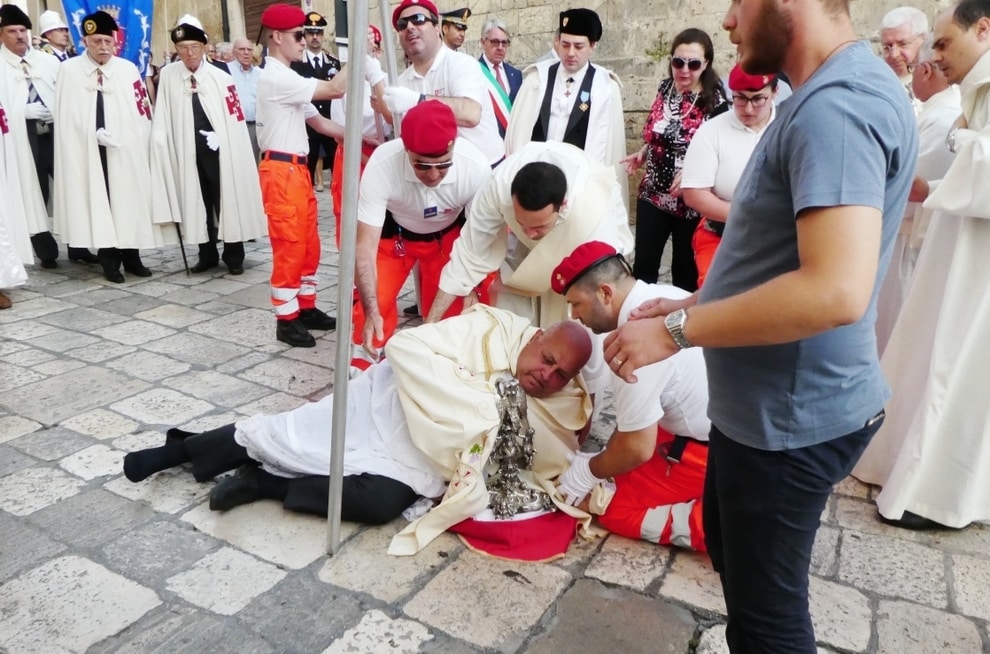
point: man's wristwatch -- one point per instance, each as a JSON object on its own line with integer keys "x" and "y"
{"x": 675, "y": 325}
{"x": 950, "y": 139}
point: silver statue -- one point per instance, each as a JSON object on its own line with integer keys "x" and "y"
{"x": 507, "y": 493}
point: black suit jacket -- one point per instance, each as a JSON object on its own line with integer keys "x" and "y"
{"x": 512, "y": 74}
{"x": 329, "y": 67}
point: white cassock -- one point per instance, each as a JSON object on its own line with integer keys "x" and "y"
{"x": 84, "y": 215}
{"x": 15, "y": 244}
{"x": 43, "y": 69}
{"x": 176, "y": 189}
{"x": 935, "y": 118}
{"x": 606, "y": 137}
{"x": 932, "y": 454}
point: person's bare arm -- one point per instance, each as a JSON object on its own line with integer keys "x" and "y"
{"x": 366, "y": 280}
{"x": 324, "y": 125}
{"x": 466, "y": 111}
{"x": 331, "y": 89}
{"x": 838, "y": 249}
{"x": 705, "y": 202}
{"x": 626, "y": 451}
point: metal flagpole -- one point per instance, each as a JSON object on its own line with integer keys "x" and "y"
{"x": 357, "y": 16}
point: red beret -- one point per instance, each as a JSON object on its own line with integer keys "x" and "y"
{"x": 378, "y": 34}
{"x": 405, "y": 4}
{"x": 429, "y": 129}
{"x": 283, "y": 17}
{"x": 740, "y": 80}
{"x": 584, "y": 257}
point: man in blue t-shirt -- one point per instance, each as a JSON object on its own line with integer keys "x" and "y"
{"x": 786, "y": 315}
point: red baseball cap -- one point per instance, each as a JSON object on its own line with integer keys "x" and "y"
{"x": 581, "y": 260}
{"x": 740, "y": 80}
{"x": 283, "y": 17}
{"x": 425, "y": 4}
{"x": 429, "y": 129}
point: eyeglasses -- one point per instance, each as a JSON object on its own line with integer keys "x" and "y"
{"x": 692, "y": 63}
{"x": 298, "y": 36}
{"x": 440, "y": 165}
{"x": 189, "y": 48}
{"x": 500, "y": 43}
{"x": 900, "y": 45}
{"x": 415, "y": 19}
{"x": 756, "y": 100}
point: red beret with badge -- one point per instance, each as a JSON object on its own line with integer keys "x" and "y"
{"x": 425, "y": 4}
{"x": 740, "y": 80}
{"x": 429, "y": 129}
{"x": 283, "y": 17}
{"x": 584, "y": 257}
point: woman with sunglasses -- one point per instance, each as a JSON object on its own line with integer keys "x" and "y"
{"x": 689, "y": 96}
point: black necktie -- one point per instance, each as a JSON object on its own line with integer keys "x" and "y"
{"x": 100, "y": 124}
{"x": 567, "y": 86}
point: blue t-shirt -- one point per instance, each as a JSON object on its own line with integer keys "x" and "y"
{"x": 846, "y": 137}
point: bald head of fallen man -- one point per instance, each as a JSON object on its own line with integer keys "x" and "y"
{"x": 553, "y": 357}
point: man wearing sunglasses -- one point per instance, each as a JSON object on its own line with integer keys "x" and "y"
{"x": 437, "y": 73}
{"x": 285, "y": 108}
{"x": 414, "y": 195}
{"x": 453, "y": 27}
{"x": 571, "y": 100}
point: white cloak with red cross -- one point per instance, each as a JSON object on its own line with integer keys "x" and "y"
{"x": 176, "y": 189}
{"x": 84, "y": 214}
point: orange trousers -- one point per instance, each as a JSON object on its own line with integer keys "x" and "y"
{"x": 394, "y": 264}
{"x": 705, "y": 243}
{"x": 287, "y": 191}
{"x": 660, "y": 501}
{"x": 337, "y": 181}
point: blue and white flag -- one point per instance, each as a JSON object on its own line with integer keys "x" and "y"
{"x": 133, "y": 21}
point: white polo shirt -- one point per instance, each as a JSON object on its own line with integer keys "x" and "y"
{"x": 718, "y": 153}
{"x": 389, "y": 182}
{"x": 285, "y": 102}
{"x": 673, "y": 392}
{"x": 456, "y": 75}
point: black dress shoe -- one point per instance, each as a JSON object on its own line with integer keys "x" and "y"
{"x": 203, "y": 266}
{"x": 242, "y": 488}
{"x": 48, "y": 264}
{"x": 294, "y": 333}
{"x": 412, "y": 310}
{"x": 236, "y": 270}
{"x": 114, "y": 276}
{"x": 85, "y": 257}
{"x": 912, "y": 521}
{"x": 316, "y": 319}
{"x": 140, "y": 270}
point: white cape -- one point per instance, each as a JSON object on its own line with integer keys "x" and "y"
{"x": 176, "y": 190}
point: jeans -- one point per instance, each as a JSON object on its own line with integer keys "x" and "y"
{"x": 762, "y": 510}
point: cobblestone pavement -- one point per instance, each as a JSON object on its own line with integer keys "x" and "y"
{"x": 92, "y": 563}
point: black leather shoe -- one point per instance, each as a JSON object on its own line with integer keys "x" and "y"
{"x": 912, "y": 521}
{"x": 412, "y": 310}
{"x": 316, "y": 319}
{"x": 236, "y": 270}
{"x": 140, "y": 270}
{"x": 114, "y": 276}
{"x": 86, "y": 257}
{"x": 48, "y": 264}
{"x": 203, "y": 266}
{"x": 242, "y": 488}
{"x": 294, "y": 333}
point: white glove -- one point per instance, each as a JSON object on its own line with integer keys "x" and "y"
{"x": 399, "y": 100}
{"x": 373, "y": 72}
{"x": 37, "y": 111}
{"x": 577, "y": 481}
{"x": 212, "y": 142}
{"x": 104, "y": 139}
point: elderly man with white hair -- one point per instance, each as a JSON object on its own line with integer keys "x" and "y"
{"x": 503, "y": 79}
{"x": 902, "y": 31}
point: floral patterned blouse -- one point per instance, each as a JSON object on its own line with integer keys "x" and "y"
{"x": 673, "y": 120}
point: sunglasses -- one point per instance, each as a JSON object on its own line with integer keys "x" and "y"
{"x": 415, "y": 19}
{"x": 424, "y": 166}
{"x": 692, "y": 64}
{"x": 298, "y": 36}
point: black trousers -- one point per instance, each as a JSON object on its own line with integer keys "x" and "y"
{"x": 367, "y": 498}
{"x": 317, "y": 142}
{"x": 761, "y": 512}
{"x": 43, "y": 153}
{"x": 111, "y": 258}
{"x": 653, "y": 227}
{"x": 208, "y": 170}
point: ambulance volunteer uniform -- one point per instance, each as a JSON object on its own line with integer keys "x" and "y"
{"x": 412, "y": 221}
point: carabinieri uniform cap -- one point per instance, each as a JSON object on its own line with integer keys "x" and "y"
{"x": 314, "y": 22}
{"x": 457, "y": 18}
